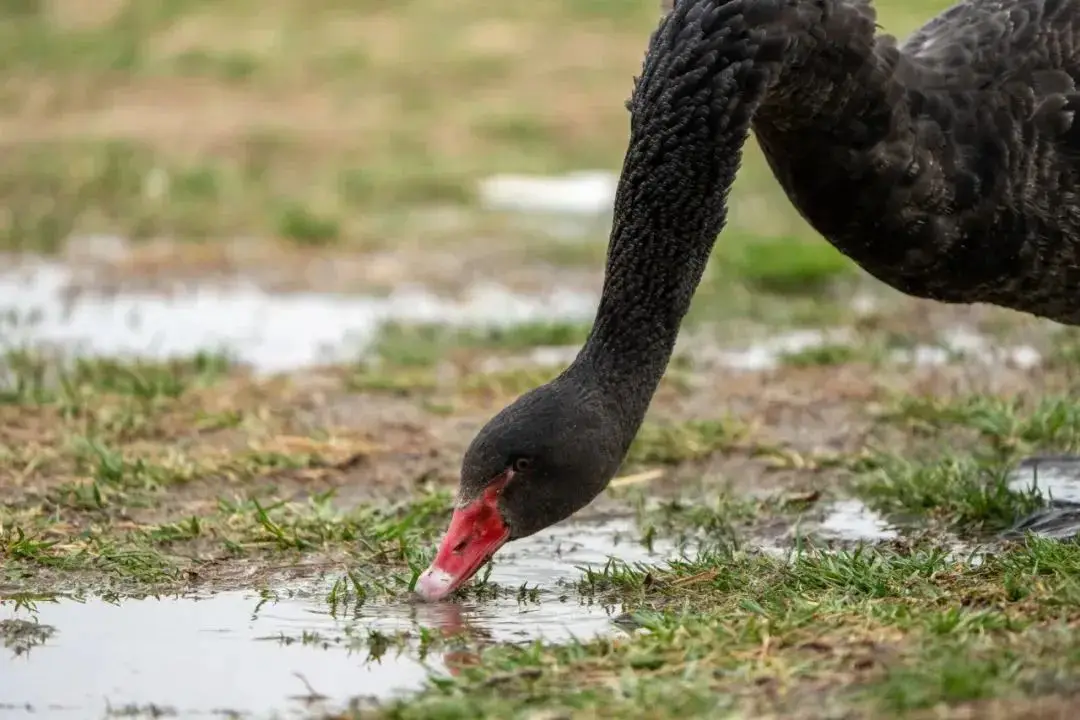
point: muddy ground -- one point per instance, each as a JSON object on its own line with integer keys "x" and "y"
{"x": 329, "y": 486}
{"x": 822, "y": 516}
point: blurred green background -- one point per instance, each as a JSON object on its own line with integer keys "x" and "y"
{"x": 331, "y": 122}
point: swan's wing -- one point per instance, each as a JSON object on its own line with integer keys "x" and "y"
{"x": 992, "y": 42}
{"x": 958, "y": 32}
{"x": 1027, "y": 50}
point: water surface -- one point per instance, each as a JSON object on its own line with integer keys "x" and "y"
{"x": 270, "y": 331}
{"x": 1056, "y": 479}
{"x": 250, "y": 653}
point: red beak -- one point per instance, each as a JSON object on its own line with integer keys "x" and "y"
{"x": 476, "y": 531}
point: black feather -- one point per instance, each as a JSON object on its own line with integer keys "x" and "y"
{"x": 947, "y": 166}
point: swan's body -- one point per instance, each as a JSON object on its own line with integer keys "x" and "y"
{"x": 946, "y": 167}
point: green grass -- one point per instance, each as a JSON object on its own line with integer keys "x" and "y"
{"x": 958, "y": 490}
{"x": 27, "y": 377}
{"x": 785, "y": 265}
{"x": 451, "y": 366}
{"x": 675, "y": 443}
{"x": 142, "y": 477}
{"x": 300, "y": 127}
{"x": 877, "y": 633}
{"x": 405, "y": 358}
{"x": 240, "y": 529}
{"x": 192, "y": 449}
{"x": 823, "y": 355}
{"x": 424, "y": 345}
{"x": 306, "y": 123}
{"x": 1048, "y": 423}
{"x": 953, "y": 473}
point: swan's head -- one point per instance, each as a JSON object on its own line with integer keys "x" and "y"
{"x": 538, "y": 461}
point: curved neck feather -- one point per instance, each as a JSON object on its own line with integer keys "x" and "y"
{"x": 705, "y": 74}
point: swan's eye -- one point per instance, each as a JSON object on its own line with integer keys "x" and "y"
{"x": 522, "y": 464}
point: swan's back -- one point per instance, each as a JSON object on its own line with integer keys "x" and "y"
{"x": 992, "y": 41}
{"x": 947, "y": 165}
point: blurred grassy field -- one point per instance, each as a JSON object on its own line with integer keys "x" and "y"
{"x": 331, "y": 125}
{"x": 323, "y": 121}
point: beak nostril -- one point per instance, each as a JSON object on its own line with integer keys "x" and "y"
{"x": 460, "y": 546}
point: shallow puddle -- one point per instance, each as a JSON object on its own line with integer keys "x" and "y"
{"x": 1057, "y": 480}
{"x": 769, "y": 353}
{"x": 272, "y": 332}
{"x": 584, "y": 192}
{"x": 852, "y": 520}
{"x": 955, "y": 345}
{"x": 847, "y": 522}
{"x": 576, "y": 205}
{"x": 271, "y": 655}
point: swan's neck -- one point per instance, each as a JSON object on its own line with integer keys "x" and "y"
{"x": 690, "y": 110}
{"x": 712, "y": 67}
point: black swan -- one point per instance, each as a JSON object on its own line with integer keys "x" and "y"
{"x": 947, "y": 167}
